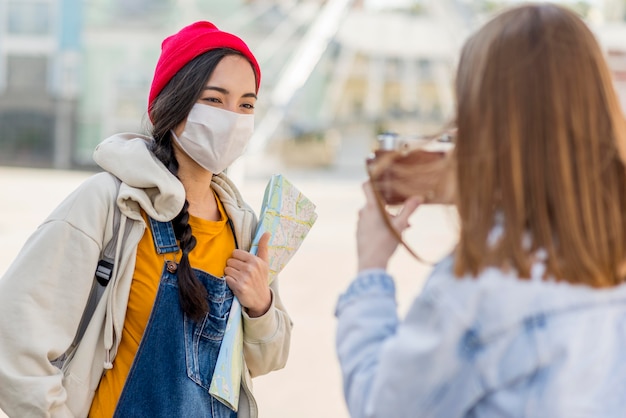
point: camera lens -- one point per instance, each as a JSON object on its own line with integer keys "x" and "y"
{"x": 387, "y": 141}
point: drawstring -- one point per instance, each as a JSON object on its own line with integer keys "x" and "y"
{"x": 108, "y": 365}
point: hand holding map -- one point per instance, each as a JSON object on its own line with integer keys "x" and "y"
{"x": 288, "y": 215}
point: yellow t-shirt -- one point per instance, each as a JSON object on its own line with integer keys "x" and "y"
{"x": 215, "y": 244}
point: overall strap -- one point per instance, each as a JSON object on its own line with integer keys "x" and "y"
{"x": 163, "y": 237}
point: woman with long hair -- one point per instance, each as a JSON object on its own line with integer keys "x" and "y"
{"x": 182, "y": 232}
{"x": 526, "y": 316}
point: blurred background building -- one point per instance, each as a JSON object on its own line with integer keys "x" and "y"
{"x": 335, "y": 72}
{"x": 40, "y": 61}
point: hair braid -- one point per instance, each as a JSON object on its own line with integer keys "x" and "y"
{"x": 191, "y": 293}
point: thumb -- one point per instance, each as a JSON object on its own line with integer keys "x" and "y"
{"x": 262, "y": 251}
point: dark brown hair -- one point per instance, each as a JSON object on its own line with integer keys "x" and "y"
{"x": 168, "y": 110}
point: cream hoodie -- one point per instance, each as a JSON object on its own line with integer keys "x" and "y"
{"x": 44, "y": 291}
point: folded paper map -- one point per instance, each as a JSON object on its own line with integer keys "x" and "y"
{"x": 288, "y": 215}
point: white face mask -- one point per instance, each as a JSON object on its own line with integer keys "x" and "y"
{"x": 215, "y": 138}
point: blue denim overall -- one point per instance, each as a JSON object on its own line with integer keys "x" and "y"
{"x": 171, "y": 373}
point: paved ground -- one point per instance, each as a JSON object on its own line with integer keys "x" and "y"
{"x": 310, "y": 385}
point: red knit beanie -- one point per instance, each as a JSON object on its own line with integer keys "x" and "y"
{"x": 191, "y": 41}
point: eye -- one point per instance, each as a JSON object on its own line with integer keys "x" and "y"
{"x": 248, "y": 106}
{"x": 211, "y": 99}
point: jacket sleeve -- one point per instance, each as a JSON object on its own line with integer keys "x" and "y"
{"x": 392, "y": 368}
{"x": 42, "y": 297}
{"x": 266, "y": 339}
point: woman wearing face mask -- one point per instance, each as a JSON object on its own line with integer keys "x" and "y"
{"x": 151, "y": 345}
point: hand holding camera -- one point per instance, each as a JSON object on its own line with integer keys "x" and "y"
{"x": 402, "y": 167}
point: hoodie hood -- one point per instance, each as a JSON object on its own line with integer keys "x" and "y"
{"x": 146, "y": 183}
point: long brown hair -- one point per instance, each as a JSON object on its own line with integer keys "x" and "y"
{"x": 540, "y": 150}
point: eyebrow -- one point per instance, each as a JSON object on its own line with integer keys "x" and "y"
{"x": 224, "y": 91}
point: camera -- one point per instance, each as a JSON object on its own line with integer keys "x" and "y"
{"x": 404, "y": 166}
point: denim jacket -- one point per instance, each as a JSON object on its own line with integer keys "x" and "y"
{"x": 491, "y": 346}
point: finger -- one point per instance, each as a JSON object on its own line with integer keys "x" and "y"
{"x": 243, "y": 256}
{"x": 237, "y": 270}
{"x": 236, "y": 264}
{"x": 411, "y": 204}
{"x": 370, "y": 198}
{"x": 232, "y": 283}
{"x": 230, "y": 272}
{"x": 263, "y": 250}
{"x": 401, "y": 220}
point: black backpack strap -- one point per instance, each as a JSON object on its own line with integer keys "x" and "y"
{"x": 102, "y": 276}
{"x": 103, "y": 273}
{"x": 104, "y": 269}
